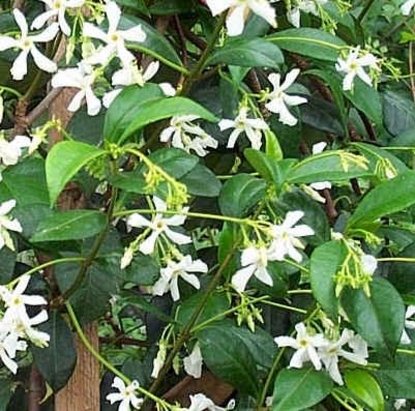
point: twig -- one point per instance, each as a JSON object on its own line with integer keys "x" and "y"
{"x": 42, "y": 106}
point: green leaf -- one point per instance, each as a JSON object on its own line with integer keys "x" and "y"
{"x": 398, "y": 112}
{"x": 56, "y": 361}
{"x": 8, "y": 261}
{"x": 155, "y": 43}
{"x": 64, "y": 160}
{"x": 366, "y": 388}
{"x": 366, "y": 99}
{"x": 272, "y": 146}
{"x": 379, "y": 201}
{"x": 309, "y": 42}
{"x": 397, "y": 378}
{"x": 125, "y": 107}
{"x": 26, "y": 182}
{"x": 296, "y": 390}
{"x": 247, "y": 52}
{"x": 325, "y": 166}
{"x": 70, "y": 225}
{"x": 240, "y": 194}
{"x": 161, "y": 108}
{"x": 324, "y": 264}
{"x": 201, "y": 182}
{"x": 169, "y": 7}
{"x": 401, "y": 274}
{"x": 380, "y": 324}
{"x": 143, "y": 270}
{"x": 6, "y": 391}
{"x": 227, "y": 355}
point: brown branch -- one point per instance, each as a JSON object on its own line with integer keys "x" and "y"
{"x": 194, "y": 39}
{"x": 42, "y": 106}
{"x": 36, "y": 389}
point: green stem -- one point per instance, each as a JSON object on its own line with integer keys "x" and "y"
{"x": 95, "y": 249}
{"x": 103, "y": 360}
{"x": 188, "y": 327}
{"x": 205, "y": 55}
{"x": 47, "y": 264}
{"x": 11, "y": 91}
{"x": 365, "y": 10}
{"x": 403, "y": 351}
{"x": 401, "y": 259}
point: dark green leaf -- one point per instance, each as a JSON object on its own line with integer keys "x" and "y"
{"x": 309, "y": 42}
{"x": 57, "y": 361}
{"x": 240, "y": 194}
{"x": 379, "y": 201}
{"x": 143, "y": 270}
{"x": 202, "y": 182}
{"x": 296, "y": 390}
{"x": 6, "y": 391}
{"x": 398, "y": 112}
{"x": 70, "y": 225}
{"x": 64, "y": 160}
{"x": 380, "y": 324}
{"x": 227, "y": 355}
{"x": 247, "y": 52}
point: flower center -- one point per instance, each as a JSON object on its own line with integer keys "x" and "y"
{"x": 114, "y": 37}
{"x": 303, "y": 343}
{"x": 57, "y": 4}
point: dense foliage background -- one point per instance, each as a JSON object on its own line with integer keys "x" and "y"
{"x": 225, "y": 187}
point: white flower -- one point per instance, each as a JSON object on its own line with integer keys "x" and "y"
{"x": 180, "y": 131}
{"x": 169, "y": 276}
{"x": 285, "y": 236}
{"x": 399, "y": 402}
{"x": 407, "y": 7}
{"x": 279, "y": 100}
{"x": 9, "y": 345}
{"x": 353, "y": 65}
{"x": 7, "y": 223}
{"x": 159, "y": 225}
{"x": 410, "y": 324}
{"x": 81, "y": 77}
{"x": 330, "y": 353}
{"x": 16, "y": 301}
{"x": 239, "y": 10}
{"x": 127, "y": 257}
{"x": 159, "y": 360}
{"x": 252, "y": 127}
{"x": 10, "y": 151}
{"x": 305, "y": 345}
{"x": 193, "y": 363}
{"x": 199, "y": 402}
{"x": 26, "y": 44}
{"x": 56, "y": 8}
{"x": 126, "y": 395}
{"x": 369, "y": 264}
{"x": 114, "y": 39}
{"x": 254, "y": 261}
{"x": 306, "y": 6}
{"x": 22, "y": 326}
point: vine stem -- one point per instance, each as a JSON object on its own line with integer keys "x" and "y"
{"x": 204, "y": 56}
{"x": 365, "y": 10}
{"x": 47, "y": 264}
{"x": 188, "y": 327}
{"x": 103, "y": 360}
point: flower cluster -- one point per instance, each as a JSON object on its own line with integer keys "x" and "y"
{"x": 16, "y": 326}
{"x": 316, "y": 348}
{"x": 285, "y": 241}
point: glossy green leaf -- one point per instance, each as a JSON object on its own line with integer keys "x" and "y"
{"x": 57, "y": 361}
{"x": 70, "y": 225}
{"x": 380, "y": 324}
{"x": 240, "y": 194}
{"x": 401, "y": 273}
{"x": 326, "y": 166}
{"x": 365, "y": 387}
{"x": 161, "y": 108}
{"x": 324, "y": 264}
{"x": 143, "y": 270}
{"x": 398, "y": 112}
{"x": 379, "y": 202}
{"x": 309, "y": 42}
{"x": 247, "y": 52}
{"x": 272, "y": 146}
{"x": 202, "y": 182}
{"x": 64, "y": 160}
{"x": 296, "y": 390}
{"x": 125, "y": 107}
{"x": 227, "y": 354}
